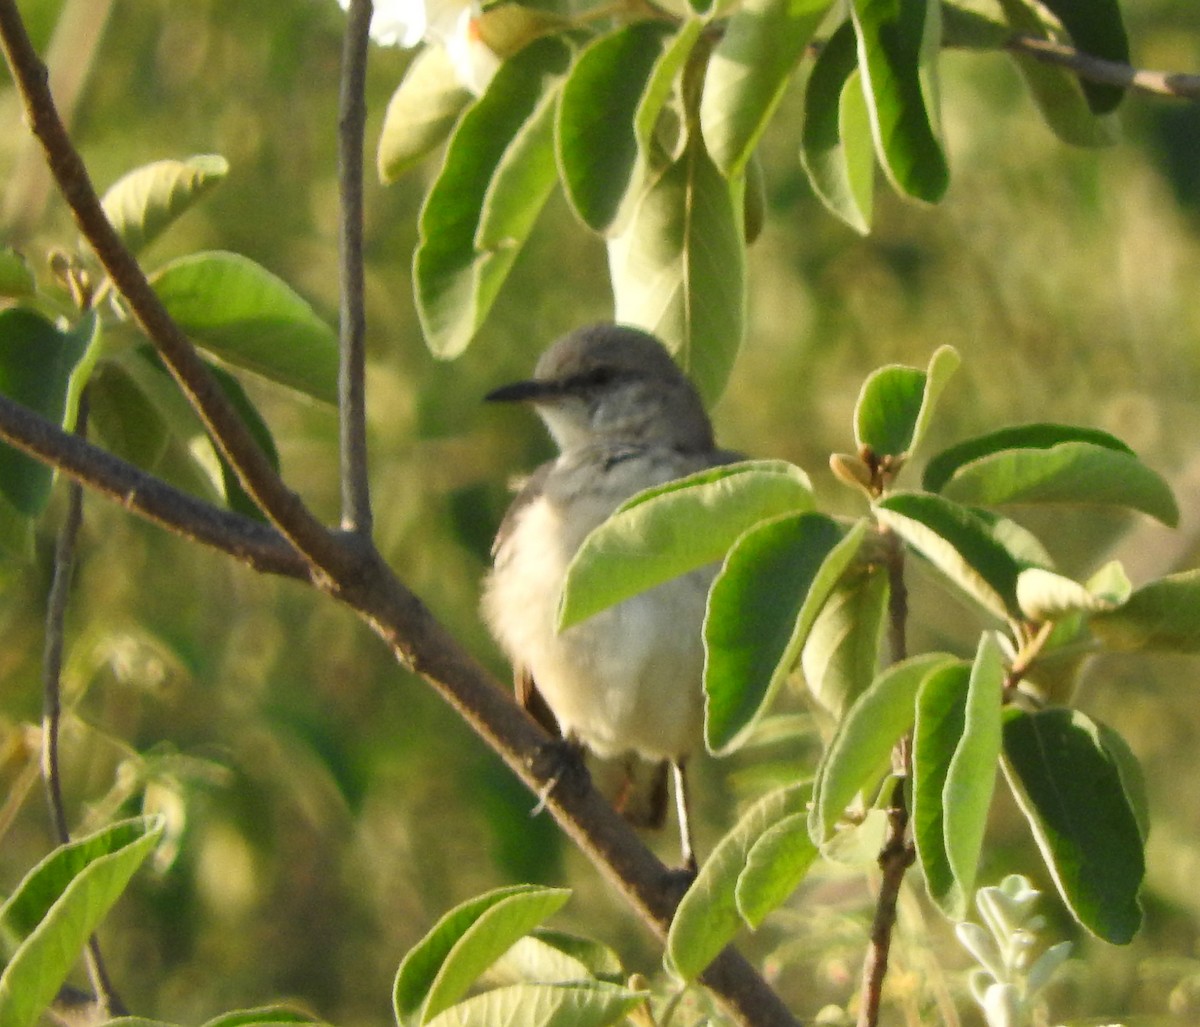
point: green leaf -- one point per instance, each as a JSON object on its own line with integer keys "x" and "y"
{"x": 55, "y": 909}
{"x": 1069, "y": 787}
{"x": 971, "y": 776}
{"x": 678, "y": 267}
{"x": 1062, "y": 98}
{"x": 842, "y": 652}
{"x": 438, "y": 970}
{"x": 421, "y": 113}
{"x": 595, "y": 129}
{"x": 16, "y": 280}
{"x": 579, "y": 1004}
{"x": 761, "y": 607}
{"x": 239, "y": 311}
{"x": 1162, "y": 616}
{"x": 261, "y": 1016}
{"x": 942, "y": 467}
{"x": 555, "y": 957}
{"x": 1079, "y": 473}
{"x": 708, "y": 916}
{"x": 897, "y": 48}
{"x": 896, "y": 404}
{"x": 959, "y": 544}
{"x": 1097, "y": 29}
{"x": 748, "y": 72}
{"x": 143, "y": 203}
{"x": 1044, "y": 595}
{"x": 864, "y": 739}
{"x": 43, "y": 369}
{"x": 835, "y": 143}
{"x": 775, "y": 865}
{"x": 675, "y": 528}
{"x": 498, "y": 172}
{"x": 662, "y": 86}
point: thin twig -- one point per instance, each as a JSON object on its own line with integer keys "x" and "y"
{"x": 106, "y": 997}
{"x": 281, "y": 506}
{"x": 352, "y": 115}
{"x": 1176, "y": 84}
{"x": 898, "y": 852}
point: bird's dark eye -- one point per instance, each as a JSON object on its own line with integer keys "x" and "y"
{"x": 597, "y": 377}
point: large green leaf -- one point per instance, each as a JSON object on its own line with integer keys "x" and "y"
{"x": 956, "y": 749}
{"x": 575, "y": 1004}
{"x": 1163, "y": 615}
{"x": 598, "y": 151}
{"x": 959, "y": 544}
{"x": 708, "y": 917}
{"x": 421, "y": 112}
{"x": 498, "y": 172}
{"x": 555, "y": 957}
{"x": 748, "y": 72}
{"x": 1071, "y": 789}
{"x": 54, "y": 910}
{"x": 41, "y": 368}
{"x": 242, "y": 313}
{"x": 675, "y": 528}
{"x": 761, "y": 607}
{"x": 775, "y": 865}
{"x": 860, "y": 747}
{"x": 143, "y": 203}
{"x": 1079, "y": 473}
{"x": 896, "y": 404}
{"x": 835, "y": 142}
{"x": 898, "y": 42}
{"x": 678, "y": 268}
{"x": 842, "y": 652}
{"x": 437, "y": 971}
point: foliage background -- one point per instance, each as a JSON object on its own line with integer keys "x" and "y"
{"x": 329, "y": 807}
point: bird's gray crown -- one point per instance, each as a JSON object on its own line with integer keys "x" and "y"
{"x": 606, "y": 384}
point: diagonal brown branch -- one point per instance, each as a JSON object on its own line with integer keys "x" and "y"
{"x": 1176, "y": 84}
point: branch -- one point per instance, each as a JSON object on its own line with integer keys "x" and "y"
{"x": 352, "y": 115}
{"x": 1175, "y": 84}
{"x": 282, "y": 506}
{"x": 250, "y": 542}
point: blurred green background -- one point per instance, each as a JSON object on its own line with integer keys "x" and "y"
{"x": 327, "y": 806}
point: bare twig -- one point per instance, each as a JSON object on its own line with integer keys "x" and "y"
{"x": 898, "y": 852}
{"x": 281, "y": 506}
{"x": 106, "y": 998}
{"x": 250, "y": 542}
{"x": 1177, "y": 84}
{"x": 352, "y": 114}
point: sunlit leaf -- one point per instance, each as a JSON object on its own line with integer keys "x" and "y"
{"x": 41, "y": 368}
{"x": 421, "y": 113}
{"x": 578, "y": 1004}
{"x": 675, "y": 528}
{"x": 498, "y": 172}
{"x": 261, "y": 1017}
{"x": 896, "y": 404}
{"x": 835, "y": 143}
{"x": 761, "y": 607}
{"x": 596, "y": 131}
{"x": 554, "y": 957}
{"x": 678, "y": 268}
{"x": 437, "y": 971}
{"x": 662, "y": 86}
{"x": 708, "y": 917}
{"x": 143, "y": 203}
{"x": 775, "y": 866}
{"x": 1070, "y": 788}
{"x": 1163, "y": 615}
{"x": 748, "y": 72}
{"x": 842, "y": 652}
{"x": 957, "y": 543}
{"x": 865, "y": 737}
{"x": 897, "y": 45}
{"x": 245, "y": 315}
{"x": 1044, "y": 595}
{"x": 54, "y": 910}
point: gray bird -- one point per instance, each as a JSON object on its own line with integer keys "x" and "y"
{"x": 627, "y": 681}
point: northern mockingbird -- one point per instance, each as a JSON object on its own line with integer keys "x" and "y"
{"x": 627, "y": 681}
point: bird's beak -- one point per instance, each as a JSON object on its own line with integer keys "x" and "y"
{"x": 531, "y": 391}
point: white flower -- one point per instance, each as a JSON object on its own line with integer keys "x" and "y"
{"x": 452, "y": 23}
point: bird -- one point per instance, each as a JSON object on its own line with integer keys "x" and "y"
{"x": 625, "y": 684}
